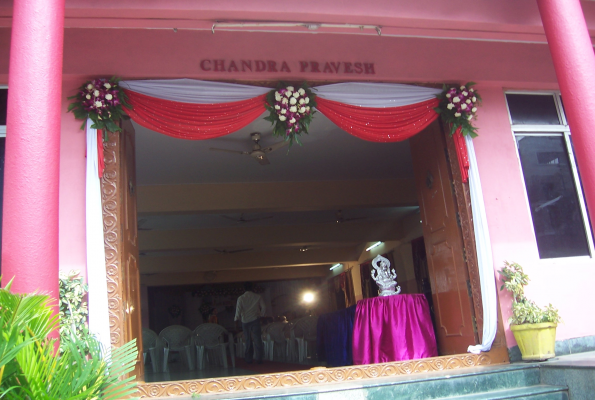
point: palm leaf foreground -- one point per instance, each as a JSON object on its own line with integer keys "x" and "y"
{"x": 31, "y": 368}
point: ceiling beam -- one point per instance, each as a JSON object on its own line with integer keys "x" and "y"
{"x": 243, "y": 260}
{"x": 253, "y": 236}
{"x": 248, "y": 274}
{"x": 275, "y": 196}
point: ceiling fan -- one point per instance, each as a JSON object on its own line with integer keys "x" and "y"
{"x": 243, "y": 220}
{"x": 258, "y": 152}
{"x": 341, "y": 219}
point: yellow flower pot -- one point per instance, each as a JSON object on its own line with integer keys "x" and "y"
{"x": 536, "y": 341}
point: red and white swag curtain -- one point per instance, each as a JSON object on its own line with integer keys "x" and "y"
{"x": 198, "y": 110}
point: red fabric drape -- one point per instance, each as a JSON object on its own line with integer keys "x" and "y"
{"x": 206, "y": 121}
{"x": 193, "y": 121}
{"x": 462, "y": 154}
{"x": 100, "y": 159}
{"x": 392, "y": 124}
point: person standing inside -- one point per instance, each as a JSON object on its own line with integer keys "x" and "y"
{"x": 249, "y": 309}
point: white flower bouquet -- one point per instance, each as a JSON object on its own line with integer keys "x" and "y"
{"x": 458, "y": 107}
{"x": 101, "y": 100}
{"x": 291, "y": 111}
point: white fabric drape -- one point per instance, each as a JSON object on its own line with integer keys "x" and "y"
{"x": 375, "y": 95}
{"x": 484, "y": 256}
{"x": 96, "y": 272}
{"x": 193, "y": 91}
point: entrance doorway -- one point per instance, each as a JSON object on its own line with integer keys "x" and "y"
{"x": 341, "y": 203}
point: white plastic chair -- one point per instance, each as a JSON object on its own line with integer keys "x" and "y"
{"x": 304, "y": 332}
{"x": 265, "y": 343}
{"x": 277, "y": 342}
{"x": 155, "y": 348}
{"x": 216, "y": 340}
{"x": 177, "y": 339}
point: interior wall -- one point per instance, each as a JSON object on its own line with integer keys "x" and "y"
{"x": 402, "y": 256}
{"x": 282, "y": 298}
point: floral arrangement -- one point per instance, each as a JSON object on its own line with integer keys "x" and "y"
{"x": 291, "y": 111}
{"x": 524, "y": 311}
{"x": 101, "y": 100}
{"x": 458, "y": 106}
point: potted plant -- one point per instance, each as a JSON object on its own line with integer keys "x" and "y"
{"x": 534, "y": 328}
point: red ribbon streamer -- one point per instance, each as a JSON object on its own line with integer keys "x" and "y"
{"x": 462, "y": 154}
{"x": 100, "y": 159}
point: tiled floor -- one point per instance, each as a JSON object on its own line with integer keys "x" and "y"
{"x": 578, "y": 360}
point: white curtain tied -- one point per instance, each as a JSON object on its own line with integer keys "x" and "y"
{"x": 485, "y": 261}
{"x": 96, "y": 272}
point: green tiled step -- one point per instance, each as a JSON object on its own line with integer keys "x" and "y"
{"x": 539, "y": 392}
{"x": 458, "y": 384}
{"x": 491, "y": 382}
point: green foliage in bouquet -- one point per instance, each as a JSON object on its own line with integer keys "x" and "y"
{"x": 101, "y": 100}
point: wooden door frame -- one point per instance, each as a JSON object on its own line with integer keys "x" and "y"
{"x": 111, "y": 189}
{"x": 462, "y": 195}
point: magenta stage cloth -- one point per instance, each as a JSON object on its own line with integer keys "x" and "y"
{"x": 393, "y": 328}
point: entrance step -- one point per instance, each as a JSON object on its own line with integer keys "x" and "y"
{"x": 489, "y": 382}
{"x": 538, "y": 392}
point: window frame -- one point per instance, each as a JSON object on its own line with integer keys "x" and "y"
{"x": 562, "y": 130}
{"x": 3, "y": 127}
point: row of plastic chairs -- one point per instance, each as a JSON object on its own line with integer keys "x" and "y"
{"x": 285, "y": 341}
{"x": 207, "y": 344}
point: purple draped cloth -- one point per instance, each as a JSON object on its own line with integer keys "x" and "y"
{"x": 334, "y": 337}
{"x": 393, "y": 328}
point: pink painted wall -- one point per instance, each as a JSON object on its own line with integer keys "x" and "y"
{"x": 72, "y": 186}
{"x": 564, "y": 282}
{"x": 165, "y": 54}
{"x": 426, "y": 57}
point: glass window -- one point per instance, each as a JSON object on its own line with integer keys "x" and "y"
{"x": 528, "y": 109}
{"x": 553, "y": 198}
{"x": 552, "y": 179}
{"x": 3, "y": 99}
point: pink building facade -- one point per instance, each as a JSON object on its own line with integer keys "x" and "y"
{"x": 502, "y": 46}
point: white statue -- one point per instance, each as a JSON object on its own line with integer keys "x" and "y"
{"x": 385, "y": 277}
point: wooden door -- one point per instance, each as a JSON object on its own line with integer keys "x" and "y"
{"x": 130, "y": 273}
{"x": 443, "y": 241}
